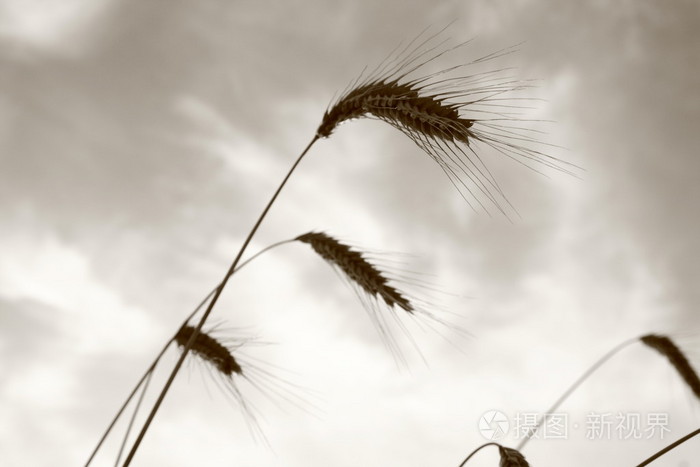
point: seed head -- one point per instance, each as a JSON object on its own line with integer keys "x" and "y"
{"x": 386, "y": 305}
{"x": 356, "y": 268}
{"x": 676, "y": 358}
{"x": 511, "y": 458}
{"x": 448, "y": 114}
{"x": 210, "y": 350}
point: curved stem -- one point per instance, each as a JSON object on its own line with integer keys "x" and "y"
{"x": 669, "y": 447}
{"x": 126, "y": 402}
{"x": 240, "y": 266}
{"x": 167, "y": 344}
{"x": 572, "y": 388}
{"x": 213, "y": 301}
{"x": 133, "y": 418}
{"x": 477, "y": 450}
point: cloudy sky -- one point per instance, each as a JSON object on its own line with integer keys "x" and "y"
{"x": 140, "y": 140}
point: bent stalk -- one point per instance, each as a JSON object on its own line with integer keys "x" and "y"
{"x": 213, "y": 301}
{"x": 572, "y": 388}
{"x": 153, "y": 365}
{"x": 673, "y": 445}
{"x": 477, "y": 450}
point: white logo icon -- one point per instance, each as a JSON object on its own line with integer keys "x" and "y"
{"x": 493, "y": 425}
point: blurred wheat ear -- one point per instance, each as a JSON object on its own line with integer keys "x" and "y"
{"x": 511, "y": 458}
{"x": 218, "y": 354}
{"x": 220, "y": 357}
{"x": 676, "y": 358}
{"x": 445, "y": 113}
{"x": 210, "y": 350}
{"x": 354, "y": 265}
{"x": 386, "y": 305}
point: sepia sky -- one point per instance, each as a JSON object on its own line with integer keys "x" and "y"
{"x": 140, "y": 140}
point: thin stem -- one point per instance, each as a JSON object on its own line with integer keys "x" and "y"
{"x": 163, "y": 350}
{"x": 213, "y": 301}
{"x": 572, "y": 388}
{"x": 126, "y": 402}
{"x": 669, "y": 447}
{"x": 477, "y": 450}
{"x": 240, "y": 266}
{"x": 133, "y": 418}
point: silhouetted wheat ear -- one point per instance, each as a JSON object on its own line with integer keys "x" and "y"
{"x": 360, "y": 271}
{"x": 230, "y": 371}
{"x": 220, "y": 357}
{"x": 444, "y": 112}
{"x": 400, "y": 105}
{"x": 511, "y": 458}
{"x": 392, "y": 311}
{"x": 678, "y": 360}
{"x": 210, "y": 350}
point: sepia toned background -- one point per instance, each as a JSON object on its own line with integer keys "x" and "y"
{"x": 140, "y": 140}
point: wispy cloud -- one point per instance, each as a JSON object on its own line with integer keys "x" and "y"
{"x": 67, "y": 28}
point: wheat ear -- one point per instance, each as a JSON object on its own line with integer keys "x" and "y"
{"x": 149, "y": 371}
{"x": 358, "y": 269}
{"x": 231, "y": 366}
{"x": 511, "y": 458}
{"x": 218, "y": 356}
{"x": 445, "y": 112}
{"x": 385, "y": 304}
{"x": 676, "y": 358}
{"x": 210, "y": 350}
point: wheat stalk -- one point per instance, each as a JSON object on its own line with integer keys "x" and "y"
{"x": 665, "y": 346}
{"x": 428, "y": 110}
{"x": 668, "y": 448}
{"x": 212, "y": 303}
{"x": 149, "y": 371}
{"x": 661, "y": 344}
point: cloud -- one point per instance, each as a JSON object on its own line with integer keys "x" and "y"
{"x": 66, "y": 28}
{"x": 58, "y": 277}
{"x": 133, "y": 166}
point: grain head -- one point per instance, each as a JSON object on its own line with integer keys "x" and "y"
{"x": 676, "y": 358}
{"x": 386, "y": 304}
{"x": 232, "y": 373}
{"x": 511, "y": 458}
{"x": 356, "y": 268}
{"x": 448, "y": 113}
{"x": 209, "y": 350}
